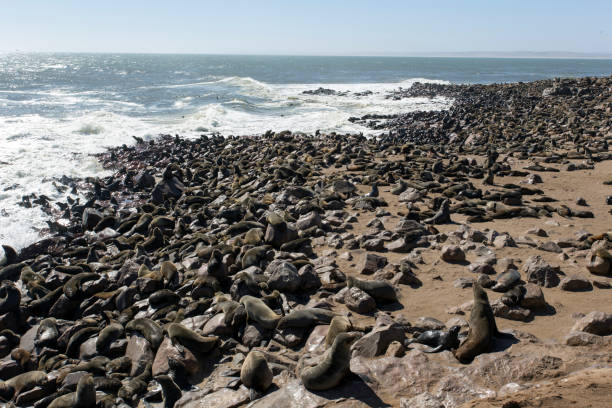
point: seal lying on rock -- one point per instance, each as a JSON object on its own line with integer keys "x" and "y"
{"x": 9, "y": 389}
{"x": 190, "y": 339}
{"x": 257, "y": 311}
{"x": 334, "y": 365}
{"x": 149, "y": 329}
{"x": 439, "y": 340}
{"x": 84, "y": 397}
{"x": 306, "y": 318}
{"x": 482, "y": 328}
{"x": 381, "y": 291}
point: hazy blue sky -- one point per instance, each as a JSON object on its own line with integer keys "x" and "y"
{"x": 342, "y": 27}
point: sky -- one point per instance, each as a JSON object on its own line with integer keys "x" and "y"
{"x": 307, "y": 27}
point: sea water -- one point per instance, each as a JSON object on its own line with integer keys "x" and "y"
{"x": 58, "y": 109}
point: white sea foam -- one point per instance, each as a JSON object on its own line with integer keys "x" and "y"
{"x": 37, "y": 148}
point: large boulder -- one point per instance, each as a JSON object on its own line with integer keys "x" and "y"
{"x": 284, "y": 276}
{"x": 541, "y": 272}
{"x": 359, "y": 301}
{"x": 376, "y": 342}
{"x": 598, "y": 323}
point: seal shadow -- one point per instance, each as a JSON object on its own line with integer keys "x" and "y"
{"x": 549, "y": 310}
{"x": 354, "y": 387}
{"x": 390, "y": 307}
{"x": 503, "y": 342}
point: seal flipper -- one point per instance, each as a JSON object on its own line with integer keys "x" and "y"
{"x": 436, "y": 349}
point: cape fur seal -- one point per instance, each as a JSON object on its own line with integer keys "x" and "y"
{"x": 255, "y": 372}
{"x": 258, "y": 312}
{"x": 482, "y": 328}
{"x": 190, "y": 339}
{"x": 439, "y": 340}
{"x": 333, "y": 366}
{"x": 83, "y": 397}
{"x": 149, "y": 329}
{"x": 381, "y": 291}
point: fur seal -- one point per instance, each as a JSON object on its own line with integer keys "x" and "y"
{"x": 190, "y": 339}
{"x": 149, "y": 329}
{"x": 83, "y": 397}
{"x": 22, "y": 382}
{"x": 333, "y": 366}
{"x": 73, "y": 287}
{"x": 255, "y": 373}
{"x": 72, "y": 350}
{"x": 439, "y": 340}
{"x": 170, "y": 391}
{"x": 381, "y": 291}
{"x": 107, "y": 335}
{"x": 506, "y": 280}
{"x": 257, "y": 311}
{"x": 339, "y": 324}
{"x": 136, "y": 385}
{"x": 482, "y": 328}
{"x": 10, "y": 297}
{"x": 10, "y": 256}
{"x": 306, "y": 318}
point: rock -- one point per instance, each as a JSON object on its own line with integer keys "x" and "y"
{"x": 575, "y": 284}
{"x": 359, "y": 301}
{"x": 167, "y": 352}
{"x": 309, "y": 279}
{"x": 253, "y": 335}
{"x": 139, "y": 351}
{"x": 601, "y": 284}
{"x": 374, "y": 244}
{"x": 372, "y": 263}
{"x": 292, "y": 394}
{"x": 598, "y": 323}
{"x": 343, "y": 187}
{"x": 463, "y": 283}
{"x": 91, "y": 218}
{"x": 423, "y": 400}
{"x": 541, "y": 272}
{"x": 283, "y": 276}
{"x": 312, "y": 219}
{"x": 395, "y": 349}
{"x": 580, "y": 338}
{"x": 428, "y": 323}
{"x": 144, "y": 179}
{"x": 223, "y": 398}
{"x": 550, "y": 246}
{"x": 533, "y": 299}
{"x": 216, "y": 326}
{"x": 377, "y": 341}
{"x": 500, "y": 309}
{"x": 503, "y": 241}
{"x": 452, "y": 253}
{"x": 400, "y": 245}
{"x": 599, "y": 266}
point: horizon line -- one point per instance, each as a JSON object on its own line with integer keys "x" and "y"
{"x": 446, "y": 54}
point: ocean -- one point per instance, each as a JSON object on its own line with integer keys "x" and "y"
{"x": 58, "y": 109}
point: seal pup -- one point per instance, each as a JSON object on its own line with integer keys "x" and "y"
{"x": 255, "y": 373}
{"x": 333, "y": 367}
{"x": 482, "y": 328}
{"x": 439, "y": 340}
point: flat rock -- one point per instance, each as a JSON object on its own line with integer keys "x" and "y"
{"x": 223, "y": 398}
{"x": 575, "y": 284}
{"x": 377, "y": 341}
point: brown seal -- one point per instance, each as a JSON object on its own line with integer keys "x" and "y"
{"x": 482, "y": 328}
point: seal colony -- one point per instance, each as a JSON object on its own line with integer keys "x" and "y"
{"x": 227, "y": 263}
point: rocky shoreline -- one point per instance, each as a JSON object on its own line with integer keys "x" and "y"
{"x": 321, "y": 271}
